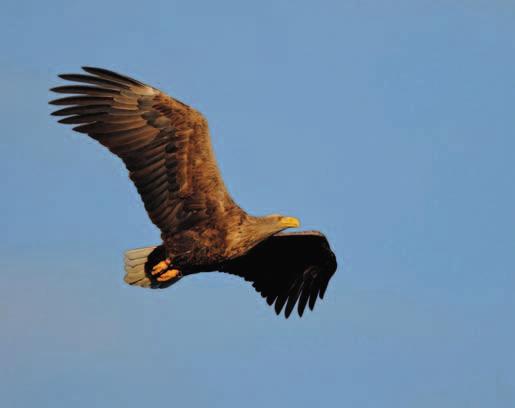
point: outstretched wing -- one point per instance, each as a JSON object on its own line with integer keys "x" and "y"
{"x": 288, "y": 268}
{"x": 164, "y": 144}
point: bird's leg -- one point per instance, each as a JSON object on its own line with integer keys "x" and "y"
{"x": 163, "y": 273}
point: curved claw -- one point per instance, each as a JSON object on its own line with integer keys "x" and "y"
{"x": 168, "y": 275}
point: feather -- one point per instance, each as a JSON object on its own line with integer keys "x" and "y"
{"x": 81, "y": 100}
{"x": 104, "y": 73}
{"x": 83, "y": 118}
{"x": 105, "y": 83}
{"x": 81, "y": 110}
{"x": 84, "y": 90}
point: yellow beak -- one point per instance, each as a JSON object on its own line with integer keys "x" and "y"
{"x": 289, "y": 222}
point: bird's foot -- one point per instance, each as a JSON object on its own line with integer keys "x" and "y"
{"x": 161, "y": 267}
{"x": 169, "y": 274}
{"x": 162, "y": 273}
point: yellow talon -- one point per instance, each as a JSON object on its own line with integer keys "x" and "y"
{"x": 161, "y": 266}
{"x": 169, "y": 274}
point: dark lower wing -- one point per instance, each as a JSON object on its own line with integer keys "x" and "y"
{"x": 288, "y": 269}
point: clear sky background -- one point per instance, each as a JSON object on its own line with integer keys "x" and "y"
{"x": 388, "y": 125}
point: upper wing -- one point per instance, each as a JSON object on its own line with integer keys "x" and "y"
{"x": 287, "y": 268}
{"x": 164, "y": 144}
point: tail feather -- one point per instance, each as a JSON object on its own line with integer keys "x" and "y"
{"x": 138, "y": 264}
{"x": 135, "y": 261}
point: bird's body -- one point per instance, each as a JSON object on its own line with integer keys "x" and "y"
{"x": 166, "y": 147}
{"x": 229, "y": 234}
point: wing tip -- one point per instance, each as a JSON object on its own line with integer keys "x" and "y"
{"x": 102, "y": 72}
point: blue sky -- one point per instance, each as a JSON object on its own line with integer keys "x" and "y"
{"x": 387, "y": 125}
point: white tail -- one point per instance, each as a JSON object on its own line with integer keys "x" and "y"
{"x": 135, "y": 260}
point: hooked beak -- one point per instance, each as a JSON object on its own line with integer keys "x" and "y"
{"x": 289, "y": 222}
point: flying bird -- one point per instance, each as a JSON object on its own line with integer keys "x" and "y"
{"x": 166, "y": 147}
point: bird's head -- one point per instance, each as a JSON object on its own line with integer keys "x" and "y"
{"x": 281, "y": 222}
{"x": 260, "y": 228}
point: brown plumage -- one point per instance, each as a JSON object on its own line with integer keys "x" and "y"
{"x": 166, "y": 148}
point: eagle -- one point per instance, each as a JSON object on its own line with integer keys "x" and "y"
{"x": 166, "y": 147}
